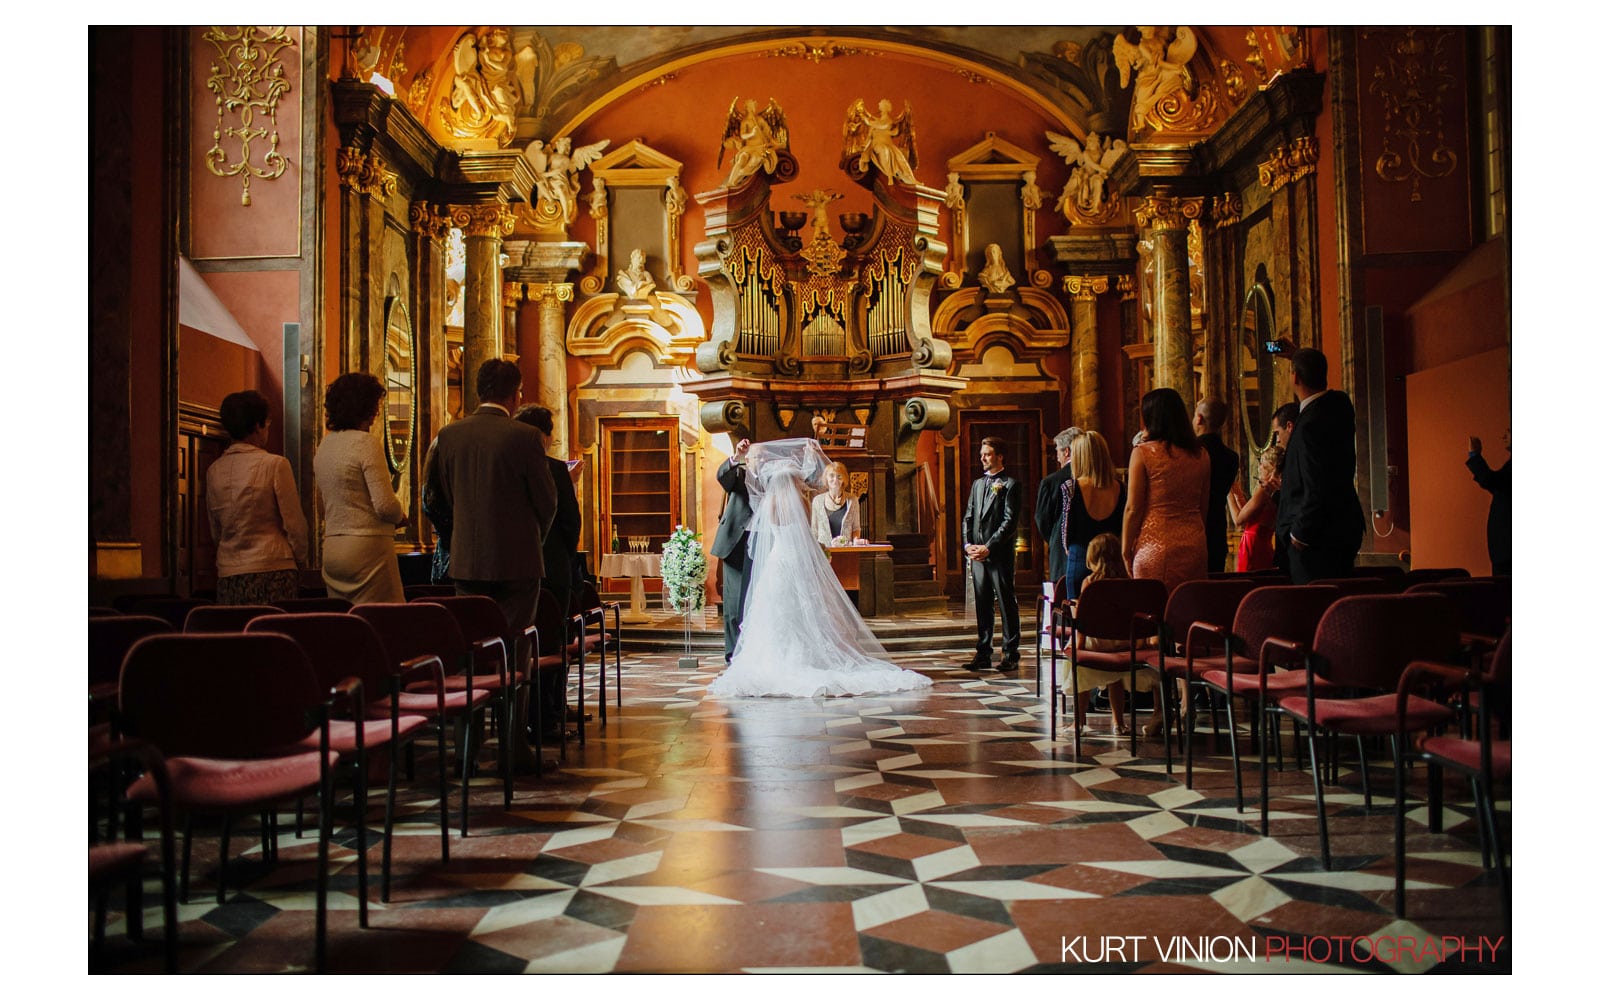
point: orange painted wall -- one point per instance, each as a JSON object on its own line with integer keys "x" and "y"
{"x": 211, "y": 368}
{"x": 1446, "y": 404}
{"x": 686, "y": 116}
{"x": 262, "y": 301}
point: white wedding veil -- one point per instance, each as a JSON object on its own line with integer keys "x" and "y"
{"x": 800, "y": 635}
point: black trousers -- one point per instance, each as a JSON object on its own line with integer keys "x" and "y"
{"x": 1318, "y": 562}
{"x": 992, "y": 580}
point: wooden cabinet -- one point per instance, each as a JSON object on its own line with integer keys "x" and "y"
{"x": 639, "y": 480}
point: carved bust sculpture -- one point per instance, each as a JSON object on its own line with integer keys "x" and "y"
{"x": 995, "y": 277}
{"x": 635, "y": 282}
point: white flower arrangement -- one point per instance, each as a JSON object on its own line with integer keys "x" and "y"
{"x": 683, "y": 571}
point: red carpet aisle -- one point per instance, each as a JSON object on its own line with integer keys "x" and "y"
{"x": 939, "y": 832}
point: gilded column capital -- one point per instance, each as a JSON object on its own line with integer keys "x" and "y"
{"x": 1159, "y": 212}
{"x": 348, "y": 163}
{"x": 1289, "y": 163}
{"x": 428, "y": 221}
{"x": 1084, "y": 288}
{"x": 364, "y": 172}
{"x": 538, "y": 291}
{"x": 1125, "y": 286}
{"x": 494, "y": 219}
{"x": 512, "y": 293}
{"x": 1226, "y": 210}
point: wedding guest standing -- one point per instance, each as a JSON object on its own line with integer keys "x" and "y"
{"x": 1257, "y": 514}
{"x": 560, "y": 550}
{"x": 835, "y": 514}
{"x": 730, "y": 545}
{"x": 989, "y": 534}
{"x": 1047, "y": 507}
{"x": 1498, "y": 483}
{"x": 1210, "y": 414}
{"x": 359, "y": 508}
{"x": 1320, "y": 521}
{"x": 1093, "y": 506}
{"x": 254, "y": 509}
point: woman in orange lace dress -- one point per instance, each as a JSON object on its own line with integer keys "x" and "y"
{"x": 1169, "y": 476}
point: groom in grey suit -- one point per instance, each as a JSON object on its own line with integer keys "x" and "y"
{"x": 731, "y": 545}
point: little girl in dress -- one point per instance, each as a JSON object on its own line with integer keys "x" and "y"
{"x": 1103, "y": 557}
{"x": 1258, "y": 516}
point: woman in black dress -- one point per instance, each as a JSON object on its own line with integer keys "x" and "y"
{"x": 1093, "y": 504}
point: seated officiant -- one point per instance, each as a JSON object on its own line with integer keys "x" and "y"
{"x": 835, "y": 514}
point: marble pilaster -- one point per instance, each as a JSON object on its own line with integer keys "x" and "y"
{"x": 552, "y": 298}
{"x": 1164, "y": 221}
{"x": 482, "y": 326}
{"x": 1085, "y": 292}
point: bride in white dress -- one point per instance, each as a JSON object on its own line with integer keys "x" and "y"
{"x": 801, "y": 637}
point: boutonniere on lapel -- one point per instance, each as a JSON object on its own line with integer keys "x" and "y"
{"x": 997, "y": 486}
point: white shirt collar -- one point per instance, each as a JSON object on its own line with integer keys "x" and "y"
{"x": 1307, "y": 401}
{"x": 494, "y": 406}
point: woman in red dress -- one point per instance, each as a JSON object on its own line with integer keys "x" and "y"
{"x": 1257, "y": 516}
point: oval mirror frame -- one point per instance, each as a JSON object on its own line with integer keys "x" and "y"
{"x": 1256, "y": 327}
{"x": 399, "y": 379}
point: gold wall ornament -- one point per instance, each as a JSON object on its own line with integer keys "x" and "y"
{"x": 971, "y": 76}
{"x": 1226, "y": 210}
{"x": 428, "y": 221}
{"x": 1289, "y": 163}
{"x": 823, "y": 256}
{"x": 512, "y": 293}
{"x": 1159, "y": 212}
{"x": 417, "y": 93}
{"x": 1233, "y": 80}
{"x": 1411, "y": 79}
{"x": 1125, "y": 286}
{"x": 1084, "y": 288}
{"x": 1072, "y": 52}
{"x": 1255, "y": 60}
{"x": 248, "y": 80}
{"x": 486, "y": 91}
{"x": 814, "y": 51}
{"x": 483, "y": 220}
{"x": 347, "y": 163}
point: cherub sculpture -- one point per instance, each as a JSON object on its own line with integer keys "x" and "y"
{"x": 1032, "y": 196}
{"x": 1090, "y": 165}
{"x": 818, "y": 201}
{"x": 599, "y": 200}
{"x": 995, "y": 277}
{"x": 485, "y": 95}
{"x": 555, "y": 172}
{"x": 1160, "y": 61}
{"x": 755, "y": 138}
{"x": 884, "y": 140}
{"x": 954, "y": 197}
{"x": 675, "y": 197}
{"x": 635, "y": 282}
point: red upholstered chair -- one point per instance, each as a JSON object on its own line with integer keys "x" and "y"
{"x": 165, "y": 606}
{"x": 340, "y": 647}
{"x": 110, "y": 638}
{"x": 312, "y": 605}
{"x": 1210, "y": 600}
{"x": 499, "y": 659}
{"x": 411, "y": 631}
{"x": 1482, "y": 759}
{"x": 1128, "y": 610}
{"x": 591, "y": 634}
{"x": 112, "y": 862}
{"x": 245, "y": 699}
{"x": 417, "y": 591}
{"x": 552, "y": 652}
{"x": 1374, "y": 583}
{"x": 1362, "y": 646}
{"x": 1234, "y": 671}
{"x": 224, "y": 617}
{"x": 1387, "y": 571}
{"x": 1482, "y": 605}
{"x": 1434, "y": 575}
{"x": 102, "y": 611}
{"x": 1044, "y": 614}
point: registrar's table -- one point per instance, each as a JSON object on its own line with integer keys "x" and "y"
{"x": 636, "y": 566}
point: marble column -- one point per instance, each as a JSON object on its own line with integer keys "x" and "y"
{"x": 552, "y": 298}
{"x": 1085, "y": 291}
{"x": 482, "y": 327}
{"x": 1164, "y": 223}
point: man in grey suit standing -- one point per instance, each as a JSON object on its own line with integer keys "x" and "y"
{"x": 491, "y": 474}
{"x": 731, "y": 545}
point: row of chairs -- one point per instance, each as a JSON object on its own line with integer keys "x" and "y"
{"x": 1354, "y": 651}
{"x": 411, "y": 665}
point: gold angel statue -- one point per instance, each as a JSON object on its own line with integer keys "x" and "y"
{"x": 885, "y": 140}
{"x": 555, "y": 172}
{"x": 1161, "y": 61}
{"x": 755, "y": 138}
{"x": 485, "y": 94}
{"x": 1090, "y": 164}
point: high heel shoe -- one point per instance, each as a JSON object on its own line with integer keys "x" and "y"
{"x": 1152, "y": 730}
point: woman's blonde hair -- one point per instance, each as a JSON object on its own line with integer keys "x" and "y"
{"x": 1091, "y": 459}
{"x": 1271, "y": 455}
{"x": 841, "y": 469}
{"x": 1104, "y": 558}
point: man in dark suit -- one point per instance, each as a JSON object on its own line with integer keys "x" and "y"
{"x": 1498, "y": 483}
{"x": 1320, "y": 521}
{"x": 560, "y": 553}
{"x": 1210, "y": 414}
{"x": 989, "y": 534}
{"x": 731, "y": 545}
{"x": 489, "y": 472}
{"x": 1048, "y": 507}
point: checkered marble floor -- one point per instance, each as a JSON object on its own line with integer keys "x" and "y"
{"x": 934, "y": 832}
